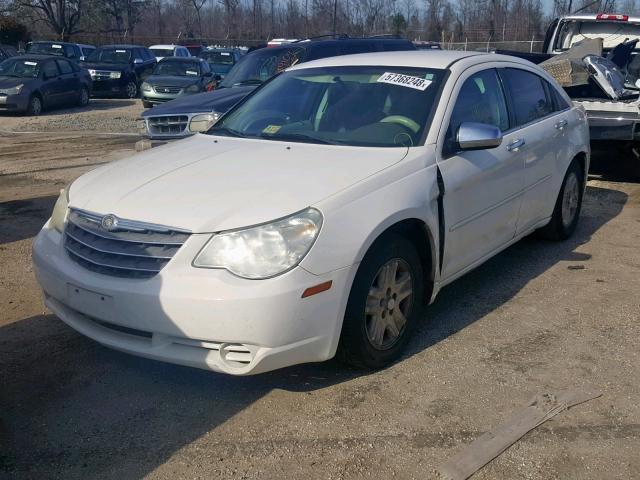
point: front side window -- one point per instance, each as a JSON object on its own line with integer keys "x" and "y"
{"x": 480, "y": 100}
{"x": 65, "y": 67}
{"x": 356, "y": 106}
{"x": 50, "y": 70}
{"x": 528, "y": 95}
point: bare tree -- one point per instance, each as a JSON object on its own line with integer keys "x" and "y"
{"x": 62, "y": 16}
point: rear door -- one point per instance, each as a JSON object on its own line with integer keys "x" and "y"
{"x": 482, "y": 188}
{"x": 70, "y": 89}
{"x": 52, "y": 83}
{"x": 541, "y": 129}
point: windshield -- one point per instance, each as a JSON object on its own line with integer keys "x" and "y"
{"x": 612, "y": 33}
{"x": 46, "y": 49}
{"x": 162, "y": 52}
{"x": 177, "y": 68}
{"x": 261, "y": 65}
{"x": 220, "y": 58}
{"x": 357, "y": 106}
{"x": 20, "y": 68}
{"x": 110, "y": 55}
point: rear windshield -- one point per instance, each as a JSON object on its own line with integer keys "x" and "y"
{"x": 261, "y": 65}
{"x": 46, "y": 49}
{"x": 110, "y": 55}
{"x": 571, "y": 32}
{"x": 162, "y": 52}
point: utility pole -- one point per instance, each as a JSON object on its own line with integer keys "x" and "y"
{"x": 335, "y": 15}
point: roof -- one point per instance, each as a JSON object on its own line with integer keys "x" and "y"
{"x": 34, "y": 56}
{"x": 121, "y": 46}
{"x": 409, "y": 58}
{"x": 594, "y": 17}
{"x": 165, "y": 46}
{"x": 182, "y": 59}
{"x": 53, "y": 41}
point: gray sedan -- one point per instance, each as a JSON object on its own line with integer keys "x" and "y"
{"x": 174, "y": 77}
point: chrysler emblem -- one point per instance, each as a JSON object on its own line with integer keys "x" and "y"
{"x": 109, "y": 222}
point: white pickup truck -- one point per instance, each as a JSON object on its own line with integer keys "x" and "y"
{"x": 613, "y": 108}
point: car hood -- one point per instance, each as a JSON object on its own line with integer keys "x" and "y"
{"x": 173, "y": 80}
{"x": 114, "y": 67}
{"x": 217, "y": 101}
{"x": 8, "y": 82}
{"x": 209, "y": 184}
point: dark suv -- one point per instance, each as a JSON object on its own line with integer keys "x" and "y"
{"x": 118, "y": 70}
{"x": 172, "y": 119}
{"x": 72, "y": 51}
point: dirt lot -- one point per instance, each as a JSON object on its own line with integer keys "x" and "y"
{"x": 521, "y": 324}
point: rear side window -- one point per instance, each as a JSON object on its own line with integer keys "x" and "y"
{"x": 528, "y": 95}
{"x": 64, "y": 66}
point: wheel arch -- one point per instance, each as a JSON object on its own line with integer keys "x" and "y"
{"x": 581, "y": 158}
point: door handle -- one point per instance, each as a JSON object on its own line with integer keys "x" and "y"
{"x": 561, "y": 124}
{"x": 515, "y": 145}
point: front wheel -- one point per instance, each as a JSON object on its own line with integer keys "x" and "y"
{"x": 35, "y": 106}
{"x": 568, "y": 205}
{"x": 84, "y": 97}
{"x": 384, "y": 304}
{"x": 131, "y": 90}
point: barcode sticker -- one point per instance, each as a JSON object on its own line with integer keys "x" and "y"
{"x": 408, "y": 81}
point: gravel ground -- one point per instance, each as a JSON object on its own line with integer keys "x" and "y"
{"x": 101, "y": 115}
{"x": 523, "y": 323}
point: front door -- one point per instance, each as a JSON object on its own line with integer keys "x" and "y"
{"x": 482, "y": 188}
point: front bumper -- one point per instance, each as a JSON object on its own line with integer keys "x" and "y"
{"x": 152, "y": 96}
{"x": 14, "y": 103}
{"x": 196, "y": 317}
{"x": 108, "y": 87}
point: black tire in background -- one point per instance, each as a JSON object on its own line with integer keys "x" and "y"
{"x": 356, "y": 345}
{"x": 131, "y": 90}
{"x": 568, "y": 205}
{"x": 84, "y": 97}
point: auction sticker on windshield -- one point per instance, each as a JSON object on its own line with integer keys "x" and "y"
{"x": 404, "y": 80}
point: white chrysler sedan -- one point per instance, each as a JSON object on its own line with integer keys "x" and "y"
{"x": 320, "y": 215}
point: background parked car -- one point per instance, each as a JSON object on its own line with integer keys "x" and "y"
{"x": 32, "y": 83}
{"x": 176, "y": 118}
{"x": 173, "y": 77}
{"x": 118, "y": 70}
{"x": 74, "y": 51}
{"x": 7, "y": 51}
{"x": 163, "y": 51}
{"x": 221, "y": 60}
{"x": 195, "y": 48}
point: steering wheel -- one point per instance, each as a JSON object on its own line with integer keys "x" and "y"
{"x": 402, "y": 120}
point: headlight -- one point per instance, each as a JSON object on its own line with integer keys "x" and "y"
{"x": 192, "y": 89}
{"x": 92, "y": 72}
{"x": 13, "y": 90}
{"x": 115, "y": 74}
{"x": 59, "y": 214}
{"x": 146, "y": 87}
{"x": 203, "y": 122}
{"x": 263, "y": 251}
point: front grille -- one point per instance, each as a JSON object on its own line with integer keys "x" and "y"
{"x": 167, "y": 89}
{"x": 168, "y": 125}
{"x": 131, "y": 249}
{"x": 101, "y": 75}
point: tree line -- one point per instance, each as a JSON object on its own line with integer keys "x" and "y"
{"x": 255, "y": 21}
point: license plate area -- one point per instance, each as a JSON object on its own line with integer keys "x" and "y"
{"x": 90, "y": 303}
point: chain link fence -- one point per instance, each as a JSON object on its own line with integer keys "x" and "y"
{"x": 531, "y": 46}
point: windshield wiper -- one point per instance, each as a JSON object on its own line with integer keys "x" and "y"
{"x": 251, "y": 81}
{"x": 299, "y": 136}
{"x": 228, "y": 131}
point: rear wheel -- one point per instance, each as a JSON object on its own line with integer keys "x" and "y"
{"x": 35, "y": 106}
{"x": 568, "y": 205}
{"x": 384, "y": 304}
{"x": 131, "y": 91}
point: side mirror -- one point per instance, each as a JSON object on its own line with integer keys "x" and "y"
{"x": 138, "y": 61}
{"x": 478, "y": 136}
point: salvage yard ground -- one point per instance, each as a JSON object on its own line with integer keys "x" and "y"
{"x": 539, "y": 317}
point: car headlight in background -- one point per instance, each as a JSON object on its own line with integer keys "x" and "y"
{"x": 13, "y": 90}
{"x": 192, "y": 89}
{"x": 115, "y": 75}
{"x": 203, "y": 122}
{"x": 92, "y": 72}
{"x": 263, "y": 251}
{"x": 59, "y": 214}
{"x": 146, "y": 87}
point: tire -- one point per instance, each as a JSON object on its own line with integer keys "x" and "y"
{"x": 373, "y": 332}
{"x": 84, "y": 97}
{"x": 568, "y": 205}
{"x": 35, "y": 106}
{"x": 131, "y": 90}
{"x": 147, "y": 104}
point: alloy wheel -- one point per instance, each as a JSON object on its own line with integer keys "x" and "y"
{"x": 389, "y": 303}
{"x": 570, "y": 200}
{"x": 132, "y": 90}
